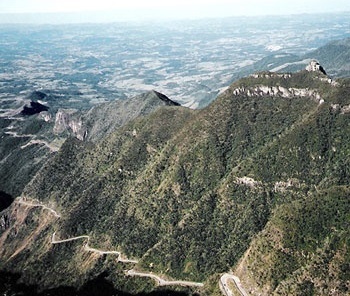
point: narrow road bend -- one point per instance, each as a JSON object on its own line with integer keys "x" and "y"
{"x": 163, "y": 282}
{"x": 37, "y": 204}
{"x": 89, "y": 249}
{"x": 224, "y": 285}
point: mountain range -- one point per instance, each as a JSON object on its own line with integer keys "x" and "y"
{"x": 256, "y": 183}
{"x": 27, "y": 141}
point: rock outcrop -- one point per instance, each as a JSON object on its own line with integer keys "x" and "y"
{"x": 68, "y": 120}
{"x": 315, "y": 66}
{"x": 277, "y": 91}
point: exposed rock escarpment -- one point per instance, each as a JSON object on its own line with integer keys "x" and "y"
{"x": 277, "y": 91}
{"x": 69, "y": 120}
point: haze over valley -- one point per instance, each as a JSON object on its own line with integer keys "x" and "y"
{"x": 189, "y": 61}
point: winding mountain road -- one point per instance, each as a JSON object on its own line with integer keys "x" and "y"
{"x": 163, "y": 282}
{"x": 33, "y": 141}
{"x": 16, "y": 135}
{"x": 160, "y": 281}
{"x": 37, "y": 204}
{"x": 54, "y": 241}
{"x": 224, "y": 285}
{"x": 89, "y": 249}
{"x": 23, "y": 201}
{"x": 41, "y": 142}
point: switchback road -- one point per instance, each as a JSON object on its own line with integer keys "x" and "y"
{"x": 89, "y": 249}
{"x": 160, "y": 281}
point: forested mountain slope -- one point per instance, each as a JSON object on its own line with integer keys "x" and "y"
{"x": 187, "y": 193}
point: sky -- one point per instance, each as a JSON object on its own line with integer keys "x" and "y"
{"x": 109, "y": 10}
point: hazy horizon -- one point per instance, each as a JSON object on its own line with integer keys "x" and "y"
{"x": 79, "y": 11}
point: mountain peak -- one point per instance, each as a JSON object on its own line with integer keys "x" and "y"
{"x": 164, "y": 98}
{"x": 34, "y": 108}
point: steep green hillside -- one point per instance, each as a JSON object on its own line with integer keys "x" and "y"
{"x": 304, "y": 249}
{"x": 104, "y": 118}
{"x": 187, "y": 192}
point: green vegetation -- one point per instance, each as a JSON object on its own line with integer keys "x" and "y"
{"x": 188, "y": 192}
{"x": 306, "y": 239}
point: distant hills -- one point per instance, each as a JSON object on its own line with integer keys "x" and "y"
{"x": 334, "y": 56}
{"x": 257, "y": 182}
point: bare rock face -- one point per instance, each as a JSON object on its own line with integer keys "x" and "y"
{"x": 278, "y": 91}
{"x": 67, "y": 120}
{"x": 315, "y": 66}
{"x": 46, "y": 116}
{"x": 4, "y": 222}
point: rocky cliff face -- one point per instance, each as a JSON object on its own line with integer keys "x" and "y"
{"x": 104, "y": 118}
{"x": 4, "y": 222}
{"x": 278, "y": 91}
{"x": 69, "y": 121}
